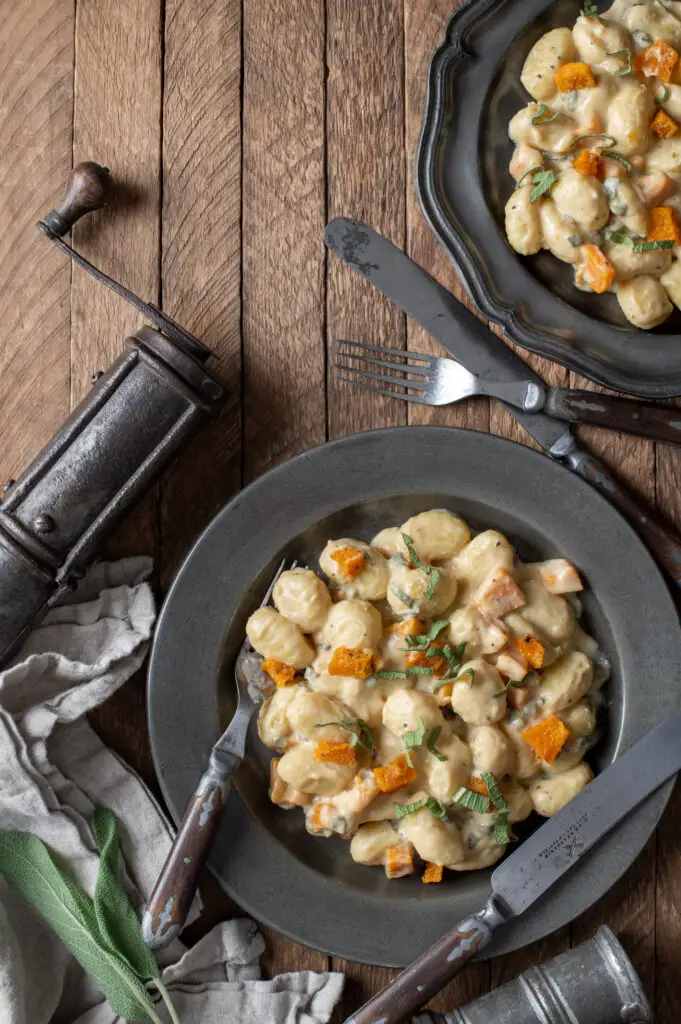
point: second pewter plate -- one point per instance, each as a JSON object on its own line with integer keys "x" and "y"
{"x": 306, "y": 887}
{"x": 463, "y": 183}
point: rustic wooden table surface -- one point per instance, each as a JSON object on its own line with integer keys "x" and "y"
{"x": 239, "y": 128}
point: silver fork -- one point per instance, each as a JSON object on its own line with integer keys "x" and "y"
{"x": 173, "y": 893}
{"x": 432, "y": 380}
{"x": 428, "y": 380}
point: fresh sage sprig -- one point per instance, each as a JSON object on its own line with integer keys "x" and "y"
{"x": 412, "y": 739}
{"x": 103, "y": 934}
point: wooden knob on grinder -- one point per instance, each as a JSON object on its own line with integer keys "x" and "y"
{"x": 89, "y": 187}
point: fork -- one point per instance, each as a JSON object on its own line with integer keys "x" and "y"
{"x": 433, "y": 380}
{"x": 169, "y": 903}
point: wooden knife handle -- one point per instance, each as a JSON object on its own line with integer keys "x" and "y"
{"x": 419, "y": 982}
{"x": 646, "y": 419}
{"x": 663, "y": 541}
{"x": 169, "y": 903}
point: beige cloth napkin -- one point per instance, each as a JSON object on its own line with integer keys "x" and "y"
{"x": 54, "y": 770}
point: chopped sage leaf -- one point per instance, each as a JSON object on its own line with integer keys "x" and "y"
{"x": 404, "y": 597}
{"x": 537, "y": 119}
{"x": 414, "y": 670}
{"x": 630, "y": 62}
{"x": 473, "y": 801}
{"x": 610, "y": 139}
{"x": 652, "y": 246}
{"x": 543, "y": 181}
{"x": 495, "y": 794}
{"x": 589, "y": 9}
{"x": 616, "y": 156}
{"x": 526, "y": 174}
{"x": 358, "y": 729}
{"x": 402, "y": 810}
{"x": 502, "y": 835}
{"x": 436, "y": 808}
{"x": 468, "y": 672}
{"x": 412, "y": 739}
{"x": 416, "y": 642}
{"x": 511, "y": 682}
{"x": 432, "y": 740}
{"x": 453, "y": 657}
{"x": 619, "y": 238}
{"x": 430, "y": 570}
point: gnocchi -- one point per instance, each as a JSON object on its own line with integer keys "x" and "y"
{"x": 413, "y": 672}
{"x": 598, "y": 154}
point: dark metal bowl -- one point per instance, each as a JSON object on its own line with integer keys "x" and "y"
{"x": 307, "y": 887}
{"x": 463, "y": 182}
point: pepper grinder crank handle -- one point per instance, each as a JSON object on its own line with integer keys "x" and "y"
{"x": 110, "y": 450}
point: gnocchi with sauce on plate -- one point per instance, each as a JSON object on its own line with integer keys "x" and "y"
{"x": 597, "y": 162}
{"x": 428, "y": 696}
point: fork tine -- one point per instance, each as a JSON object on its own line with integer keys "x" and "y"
{"x": 384, "y": 378}
{"x": 385, "y": 351}
{"x": 419, "y": 371}
{"x": 383, "y": 391}
{"x": 276, "y": 576}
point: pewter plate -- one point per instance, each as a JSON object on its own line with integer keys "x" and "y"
{"x": 308, "y": 888}
{"x": 462, "y": 181}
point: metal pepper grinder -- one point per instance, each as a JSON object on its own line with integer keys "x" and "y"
{"x": 96, "y": 467}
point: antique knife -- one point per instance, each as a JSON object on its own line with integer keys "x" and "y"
{"x": 531, "y": 871}
{"x": 484, "y": 354}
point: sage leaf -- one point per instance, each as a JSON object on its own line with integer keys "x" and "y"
{"x": 28, "y": 866}
{"x": 117, "y": 920}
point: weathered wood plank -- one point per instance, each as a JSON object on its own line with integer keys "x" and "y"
{"x": 201, "y": 247}
{"x": 118, "y": 47}
{"x": 666, "y": 994}
{"x": 283, "y": 223}
{"x": 424, "y": 26}
{"x": 367, "y": 181}
{"x": 36, "y": 111}
{"x": 283, "y": 261}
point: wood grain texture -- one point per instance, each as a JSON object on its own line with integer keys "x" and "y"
{"x": 668, "y": 850}
{"x": 283, "y": 223}
{"x": 36, "y": 111}
{"x": 201, "y": 247}
{"x": 283, "y": 261}
{"x": 424, "y": 24}
{"x": 118, "y": 45}
{"x": 366, "y": 181}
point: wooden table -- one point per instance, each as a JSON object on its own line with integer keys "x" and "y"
{"x": 239, "y": 129}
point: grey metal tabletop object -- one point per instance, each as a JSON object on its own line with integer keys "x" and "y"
{"x": 594, "y": 983}
{"x": 263, "y": 857}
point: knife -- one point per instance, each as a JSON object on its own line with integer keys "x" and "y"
{"x": 474, "y": 345}
{"x": 530, "y": 872}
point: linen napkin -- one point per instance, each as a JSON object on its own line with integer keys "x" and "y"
{"x": 54, "y": 770}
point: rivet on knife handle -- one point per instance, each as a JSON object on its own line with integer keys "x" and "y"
{"x": 426, "y": 976}
{"x": 169, "y": 904}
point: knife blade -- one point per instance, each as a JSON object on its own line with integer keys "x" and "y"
{"x": 537, "y": 865}
{"x": 419, "y": 295}
{"x": 474, "y": 345}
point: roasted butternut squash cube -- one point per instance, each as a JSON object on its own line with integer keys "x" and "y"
{"x": 547, "y": 738}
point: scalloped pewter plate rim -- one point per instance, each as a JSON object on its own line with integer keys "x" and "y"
{"x": 474, "y": 276}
